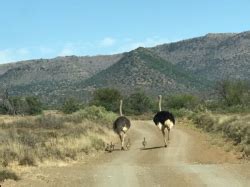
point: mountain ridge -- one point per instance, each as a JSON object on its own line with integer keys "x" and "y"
{"x": 191, "y": 65}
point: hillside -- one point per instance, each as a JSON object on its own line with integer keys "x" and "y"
{"x": 49, "y": 78}
{"x": 191, "y": 65}
{"x": 143, "y": 69}
{"x": 213, "y": 56}
{"x": 66, "y": 69}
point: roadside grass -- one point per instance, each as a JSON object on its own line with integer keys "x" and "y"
{"x": 230, "y": 131}
{"x": 53, "y": 136}
{"x": 6, "y": 174}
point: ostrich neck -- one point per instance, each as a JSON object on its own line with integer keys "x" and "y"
{"x": 121, "y": 108}
{"x": 160, "y": 104}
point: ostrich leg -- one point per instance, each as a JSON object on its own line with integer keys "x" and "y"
{"x": 164, "y": 136}
{"x": 122, "y": 138}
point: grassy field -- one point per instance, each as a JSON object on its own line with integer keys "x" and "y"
{"x": 52, "y": 136}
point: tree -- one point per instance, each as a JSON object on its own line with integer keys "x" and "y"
{"x": 138, "y": 103}
{"x": 108, "y": 98}
{"x": 34, "y": 106}
{"x": 182, "y": 101}
{"x": 233, "y": 92}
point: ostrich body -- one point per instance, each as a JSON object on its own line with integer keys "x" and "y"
{"x": 164, "y": 120}
{"x": 121, "y": 126}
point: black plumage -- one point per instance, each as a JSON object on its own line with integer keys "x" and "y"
{"x": 164, "y": 120}
{"x": 162, "y": 117}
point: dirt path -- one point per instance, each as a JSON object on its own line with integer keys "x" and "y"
{"x": 188, "y": 161}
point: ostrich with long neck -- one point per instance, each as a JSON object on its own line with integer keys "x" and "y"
{"x": 121, "y": 126}
{"x": 164, "y": 120}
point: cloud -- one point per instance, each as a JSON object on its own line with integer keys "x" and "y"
{"x": 129, "y": 44}
{"x": 108, "y": 45}
{"x": 107, "y": 42}
{"x": 11, "y": 55}
{"x": 45, "y": 50}
{"x": 5, "y": 56}
{"x": 23, "y": 51}
{"x": 68, "y": 49}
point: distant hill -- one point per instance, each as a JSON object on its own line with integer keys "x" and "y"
{"x": 192, "y": 65}
{"x": 49, "y": 78}
{"x": 143, "y": 69}
{"x": 213, "y": 56}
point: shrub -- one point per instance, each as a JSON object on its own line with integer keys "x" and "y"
{"x": 50, "y": 121}
{"x": 108, "y": 98}
{"x": 234, "y": 92}
{"x": 34, "y": 105}
{"x": 54, "y": 136}
{"x": 182, "y": 101}
{"x": 233, "y": 127}
{"x": 5, "y": 174}
{"x": 97, "y": 144}
{"x": 94, "y": 113}
{"x": 70, "y": 106}
{"x": 27, "y": 160}
{"x": 138, "y": 103}
{"x": 7, "y": 156}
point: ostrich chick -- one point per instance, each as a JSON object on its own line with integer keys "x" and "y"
{"x": 144, "y": 143}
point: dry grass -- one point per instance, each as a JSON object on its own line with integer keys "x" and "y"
{"x": 6, "y": 174}
{"x": 232, "y": 127}
{"x": 53, "y": 136}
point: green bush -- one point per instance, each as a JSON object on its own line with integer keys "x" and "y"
{"x": 94, "y": 113}
{"x": 34, "y": 105}
{"x": 108, "y": 98}
{"x": 138, "y": 103}
{"x": 182, "y": 101}
{"x": 70, "y": 106}
{"x": 234, "y": 92}
{"x": 21, "y": 105}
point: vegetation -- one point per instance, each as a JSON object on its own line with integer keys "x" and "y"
{"x": 53, "y": 136}
{"x": 21, "y": 105}
{"x": 5, "y": 174}
{"x": 70, "y": 106}
{"x": 234, "y": 127}
{"x": 34, "y": 106}
{"x": 180, "y": 101}
{"x": 138, "y": 103}
{"x": 108, "y": 98}
{"x": 234, "y": 92}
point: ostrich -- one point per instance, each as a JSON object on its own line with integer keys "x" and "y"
{"x": 164, "y": 120}
{"x": 121, "y": 126}
{"x": 144, "y": 143}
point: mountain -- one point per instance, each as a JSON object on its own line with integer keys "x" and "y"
{"x": 49, "y": 78}
{"x": 192, "y": 65}
{"x": 213, "y": 56}
{"x": 143, "y": 69}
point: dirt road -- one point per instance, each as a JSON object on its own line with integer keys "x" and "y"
{"x": 189, "y": 160}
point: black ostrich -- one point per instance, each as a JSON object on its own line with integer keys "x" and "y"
{"x": 164, "y": 120}
{"x": 121, "y": 126}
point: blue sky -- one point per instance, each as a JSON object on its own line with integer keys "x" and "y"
{"x": 33, "y": 29}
